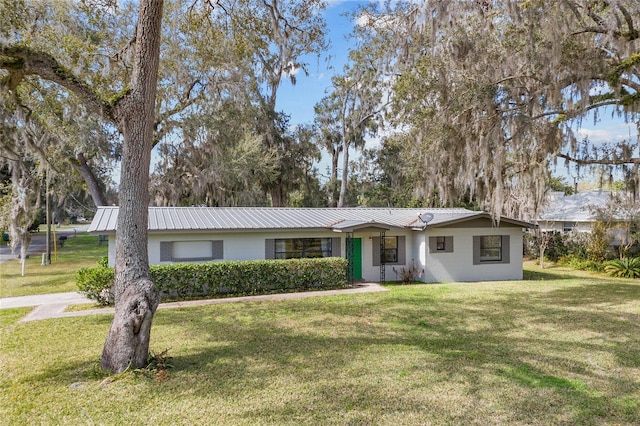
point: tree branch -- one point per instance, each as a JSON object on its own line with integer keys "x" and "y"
{"x": 21, "y": 61}
{"x": 185, "y": 102}
{"x": 632, "y": 33}
{"x": 630, "y": 83}
{"x": 599, "y": 161}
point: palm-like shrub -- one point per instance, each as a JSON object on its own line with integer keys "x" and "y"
{"x": 628, "y": 267}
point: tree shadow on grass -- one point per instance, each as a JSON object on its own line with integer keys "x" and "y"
{"x": 395, "y": 352}
{"x": 585, "y": 405}
{"x": 606, "y": 293}
{"x": 530, "y": 275}
{"x": 468, "y": 342}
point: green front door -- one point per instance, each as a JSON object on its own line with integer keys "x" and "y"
{"x": 357, "y": 258}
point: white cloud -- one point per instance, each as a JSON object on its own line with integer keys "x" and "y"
{"x": 607, "y": 126}
{"x": 366, "y": 19}
{"x": 611, "y": 132}
{"x": 595, "y": 135}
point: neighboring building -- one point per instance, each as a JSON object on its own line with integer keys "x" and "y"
{"x": 565, "y": 213}
{"x": 446, "y": 244}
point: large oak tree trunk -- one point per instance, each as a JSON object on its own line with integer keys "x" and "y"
{"x": 136, "y": 296}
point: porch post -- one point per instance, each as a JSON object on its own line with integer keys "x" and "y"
{"x": 350, "y": 267}
{"x": 382, "y": 258}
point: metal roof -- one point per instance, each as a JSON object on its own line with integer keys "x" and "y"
{"x": 255, "y": 218}
{"x": 276, "y": 218}
{"x": 574, "y": 207}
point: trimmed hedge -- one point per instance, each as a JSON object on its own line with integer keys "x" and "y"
{"x": 96, "y": 283}
{"x": 182, "y": 281}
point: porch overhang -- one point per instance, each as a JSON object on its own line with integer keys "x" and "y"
{"x": 351, "y": 226}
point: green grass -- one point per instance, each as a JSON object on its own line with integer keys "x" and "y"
{"x": 80, "y": 251}
{"x": 557, "y": 348}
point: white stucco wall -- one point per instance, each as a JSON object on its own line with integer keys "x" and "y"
{"x": 458, "y": 265}
{"x": 251, "y": 246}
{"x": 420, "y": 251}
{"x": 371, "y": 272}
{"x": 549, "y": 226}
{"x": 237, "y": 245}
{"x": 438, "y": 267}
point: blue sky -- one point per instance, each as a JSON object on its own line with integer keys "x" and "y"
{"x": 298, "y": 101}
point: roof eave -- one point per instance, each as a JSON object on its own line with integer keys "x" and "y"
{"x": 482, "y": 215}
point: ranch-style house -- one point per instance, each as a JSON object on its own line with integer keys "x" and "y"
{"x": 440, "y": 245}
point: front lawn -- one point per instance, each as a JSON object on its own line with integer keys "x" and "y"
{"x": 557, "y": 348}
{"x": 60, "y": 276}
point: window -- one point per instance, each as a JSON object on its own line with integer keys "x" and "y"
{"x": 394, "y": 251}
{"x": 390, "y": 253}
{"x": 191, "y": 251}
{"x": 292, "y": 248}
{"x": 490, "y": 249}
{"x": 442, "y": 244}
{"x": 568, "y": 226}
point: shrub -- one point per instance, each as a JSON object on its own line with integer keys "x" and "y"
{"x": 628, "y": 267}
{"x": 598, "y": 245}
{"x": 576, "y": 243}
{"x": 97, "y": 284}
{"x": 410, "y": 274}
{"x": 182, "y": 281}
{"x": 579, "y": 250}
{"x": 556, "y": 245}
{"x": 577, "y": 262}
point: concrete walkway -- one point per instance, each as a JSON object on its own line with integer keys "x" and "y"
{"x": 54, "y": 305}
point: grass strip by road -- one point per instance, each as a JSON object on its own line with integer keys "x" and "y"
{"x": 60, "y": 276}
{"x": 556, "y": 348}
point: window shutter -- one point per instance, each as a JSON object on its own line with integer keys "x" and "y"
{"x": 217, "y": 249}
{"x": 505, "y": 249}
{"x": 335, "y": 247}
{"x": 476, "y": 250}
{"x": 166, "y": 251}
{"x": 402, "y": 251}
{"x": 269, "y": 248}
{"x": 433, "y": 244}
{"x": 375, "y": 241}
{"x": 448, "y": 244}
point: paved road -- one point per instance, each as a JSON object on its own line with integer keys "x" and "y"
{"x": 39, "y": 242}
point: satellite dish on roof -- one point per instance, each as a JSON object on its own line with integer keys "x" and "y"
{"x": 426, "y": 217}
